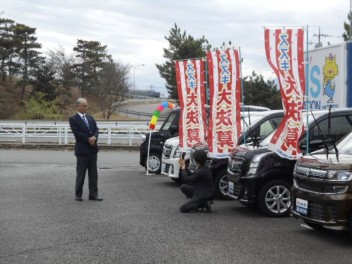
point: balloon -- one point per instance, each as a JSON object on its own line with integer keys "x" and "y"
{"x": 157, "y": 112}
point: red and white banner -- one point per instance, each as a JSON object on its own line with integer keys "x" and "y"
{"x": 191, "y": 93}
{"x": 225, "y": 102}
{"x": 285, "y": 54}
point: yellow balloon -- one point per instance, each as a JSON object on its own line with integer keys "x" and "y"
{"x": 154, "y": 120}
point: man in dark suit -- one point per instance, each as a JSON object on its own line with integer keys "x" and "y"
{"x": 201, "y": 187}
{"x": 86, "y": 134}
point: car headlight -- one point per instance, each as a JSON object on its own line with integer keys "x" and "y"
{"x": 339, "y": 175}
{"x": 253, "y": 165}
{"x": 336, "y": 189}
{"x": 253, "y": 168}
{"x": 177, "y": 152}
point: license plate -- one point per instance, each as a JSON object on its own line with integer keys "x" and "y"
{"x": 302, "y": 206}
{"x": 230, "y": 187}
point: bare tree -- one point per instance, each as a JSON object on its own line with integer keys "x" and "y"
{"x": 112, "y": 87}
{"x": 60, "y": 63}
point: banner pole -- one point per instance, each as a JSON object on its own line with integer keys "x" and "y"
{"x": 307, "y": 89}
{"x": 350, "y": 21}
{"x": 242, "y": 97}
{"x": 147, "y": 163}
{"x": 207, "y": 92}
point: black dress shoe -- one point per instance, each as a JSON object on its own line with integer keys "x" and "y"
{"x": 205, "y": 206}
{"x": 79, "y": 199}
{"x": 95, "y": 198}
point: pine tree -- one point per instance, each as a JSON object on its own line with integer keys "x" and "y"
{"x": 258, "y": 92}
{"x": 27, "y": 55}
{"x": 6, "y": 46}
{"x": 91, "y": 56}
{"x": 44, "y": 82}
{"x": 181, "y": 46}
{"x": 347, "y": 26}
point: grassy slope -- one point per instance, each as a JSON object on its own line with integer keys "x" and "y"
{"x": 10, "y": 103}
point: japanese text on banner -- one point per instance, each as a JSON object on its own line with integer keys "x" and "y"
{"x": 225, "y": 99}
{"x": 285, "y": 54}
{"x": 191, "y": 93}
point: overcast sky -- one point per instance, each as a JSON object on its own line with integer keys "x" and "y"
{"x": 134, "y": 30}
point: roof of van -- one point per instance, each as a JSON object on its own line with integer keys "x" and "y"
{"x": 254, "y": 108}
{"x": 250, "y": 108}
{"x": 261, "y": 113}
{"x": 317, "y": 112}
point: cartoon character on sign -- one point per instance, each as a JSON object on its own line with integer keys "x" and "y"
{"x": 330, "y": 71}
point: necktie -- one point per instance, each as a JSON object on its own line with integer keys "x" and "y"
{"x": 85, "y": 120}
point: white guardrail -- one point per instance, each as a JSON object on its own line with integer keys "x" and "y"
{"x": 59, "y": 132}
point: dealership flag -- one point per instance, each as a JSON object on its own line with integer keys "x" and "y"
{"x": 225, "y": 100}
{"x": 191, "y": 93}
{"x": 285, "y": 54}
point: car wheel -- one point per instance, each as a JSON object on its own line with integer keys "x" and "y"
{"x": 154, "y": 163}
{"x": 275, "y": 199}
{"x": 221, "y": 185}
{"x": 313, "y": 226}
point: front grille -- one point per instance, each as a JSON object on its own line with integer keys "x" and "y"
{"x": 316, "y": 211}
{"x": 310, "y": 180}
{"x": 308, "y": 186}
{"x": 166, "y": 168}
{"x": 321, "y": 212}
{"x": 309, "y": 172}
{"x": 167, "y": 151}
{"x": 237, "y": 190}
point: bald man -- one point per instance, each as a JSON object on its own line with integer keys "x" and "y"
{"x": 86, "y": 134}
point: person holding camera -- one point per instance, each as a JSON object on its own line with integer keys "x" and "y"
{"x": 200, "y": 189}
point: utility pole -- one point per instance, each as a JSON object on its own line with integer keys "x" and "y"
{"x": 134, "y": 78}
{"x": 350, "y": 20}
{"x": 319, "y": 45}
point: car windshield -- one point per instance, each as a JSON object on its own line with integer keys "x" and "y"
{"x": 265, "y": 141}
{"x": 249, "y": 120}
{"x": 169, "y": 121}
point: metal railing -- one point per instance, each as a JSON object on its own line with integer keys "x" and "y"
{"x": 59, "y": 132}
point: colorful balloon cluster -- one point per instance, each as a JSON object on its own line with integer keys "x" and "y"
{"x": 157, "y": 112}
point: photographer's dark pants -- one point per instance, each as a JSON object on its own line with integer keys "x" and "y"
{"x": 194, "y": 203}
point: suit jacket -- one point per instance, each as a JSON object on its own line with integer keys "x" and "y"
{"x": 82, "y": 133}
{"x": 201, "y": 180}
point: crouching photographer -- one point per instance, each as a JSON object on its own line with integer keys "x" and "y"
{"x": 200, "y": 189}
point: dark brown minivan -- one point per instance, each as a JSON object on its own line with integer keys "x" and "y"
{"x": 322, "y": 192}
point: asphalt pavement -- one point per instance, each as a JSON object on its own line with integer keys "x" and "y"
{"x": 138, "y": 221}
